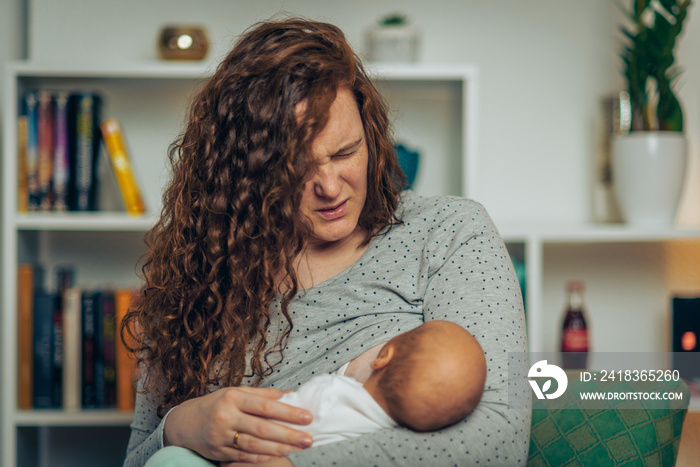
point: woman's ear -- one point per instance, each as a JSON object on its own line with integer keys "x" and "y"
{"x": 384, "y": 357}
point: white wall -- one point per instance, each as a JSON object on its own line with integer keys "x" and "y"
{"x": 544, "y": 64}
{"x": 12, "y": 34}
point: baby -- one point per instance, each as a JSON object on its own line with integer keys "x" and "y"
{"x": 424, "y": 379}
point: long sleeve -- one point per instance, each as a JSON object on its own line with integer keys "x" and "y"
{"x": 468, "y": 279}
{"x": 146, "y": 430}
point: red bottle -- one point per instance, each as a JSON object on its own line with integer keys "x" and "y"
{"x": 574, "y": 338}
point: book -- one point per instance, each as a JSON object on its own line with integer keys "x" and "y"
{"x": 22, "y": 182}
{"x": 25, "y": 335}
{"x": 113, "y": 138}
{"x": 43, "y": 349}
{"x": 64, "y": 280}
{"x": 72, "y": 349}
{"x": 108, "y": 349}
{"x": 99, "y": 361}
{"x": 83, "y": 130}
{"x": 125, "y": 362}
{"x": 61, "y": 169}
{"x": 30, "y": 110}
{"x": 45, "y": 126}
{"x": 88, "y": 378}
{"x": 57, "y": 352}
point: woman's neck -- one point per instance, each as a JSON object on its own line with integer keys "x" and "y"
{"x": 319, "y": 261}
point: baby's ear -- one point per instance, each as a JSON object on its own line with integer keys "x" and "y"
{"x": 384, "y": 357}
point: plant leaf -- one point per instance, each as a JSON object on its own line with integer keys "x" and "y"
{"x": 546, "y": 385}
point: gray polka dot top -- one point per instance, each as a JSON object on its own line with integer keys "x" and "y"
{"x": 445, "y": 261}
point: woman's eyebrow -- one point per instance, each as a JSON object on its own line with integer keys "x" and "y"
{"x": 350, "y": 147}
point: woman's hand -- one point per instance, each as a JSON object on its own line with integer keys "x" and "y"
{"x": 208, "y": 425}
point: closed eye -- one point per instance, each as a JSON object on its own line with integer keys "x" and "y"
{"x": 342, "y": 156}
{"x": 349, "y": 150}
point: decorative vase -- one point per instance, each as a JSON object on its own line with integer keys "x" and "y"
{"x": 394, "y": 43}
{"x": 408, "y": 160}
{"x": 183, "y": 42}
{"x": 648, "y": 173}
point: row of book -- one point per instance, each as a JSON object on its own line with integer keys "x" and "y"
{"x": 70, "y": 354}
{"x": 59, "y": 142}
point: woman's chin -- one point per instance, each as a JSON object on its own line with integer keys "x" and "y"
{"x": 329, "y": 237}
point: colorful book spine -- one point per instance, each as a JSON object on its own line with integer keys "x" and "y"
{"x": 116, "y": 148}
{"x": 64, "y": 280}
{"x": 61, "y": 172}
{"x": 89, "y": 378}
{"x": 22, "y": 185}
{"x": 99, "y": 363}
{"x": 70, "y": 352}
{"x": 31, "y": 109}
{"x": 25, "y": 336}
{"x": 84, "y": 120}
{"x": 43, "y": 350}
{"x": 57, "y": 352}
{"x": 108, "y": 350}
{"x": 125, "y": 362}
{"x": 46, "y": 142}
{"x": 72, "y": 349}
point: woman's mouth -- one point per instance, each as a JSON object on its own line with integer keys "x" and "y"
{"x": 334, "y": 212}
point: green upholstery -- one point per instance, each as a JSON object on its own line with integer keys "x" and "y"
{"x": 574, "y": 436}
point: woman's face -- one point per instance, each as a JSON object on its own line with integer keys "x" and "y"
{"x": 335, "y": 195}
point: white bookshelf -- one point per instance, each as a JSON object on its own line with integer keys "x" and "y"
{"x": 149, "y": 99}
{"x": 436, "y": 110}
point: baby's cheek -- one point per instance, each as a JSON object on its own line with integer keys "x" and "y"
{"x": 359, "y": 367}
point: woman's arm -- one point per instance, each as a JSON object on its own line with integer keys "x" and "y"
{"x": 146, "y": 430}
{"x": 207, "y": 425}
{"x": 470, "y": 281}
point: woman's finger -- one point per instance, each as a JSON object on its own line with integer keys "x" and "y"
{"x": 254, "y": 445}
{"x": 252, "y": 403}
{"x": 261, "y": 430}
{"x": 273, "y": 393}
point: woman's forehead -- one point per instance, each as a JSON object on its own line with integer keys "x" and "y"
{"x": 343, "y": 128}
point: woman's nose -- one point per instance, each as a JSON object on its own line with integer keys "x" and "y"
{"x": 327, "y": 182}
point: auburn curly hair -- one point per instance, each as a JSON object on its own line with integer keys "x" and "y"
{"x": 230, "y": 225}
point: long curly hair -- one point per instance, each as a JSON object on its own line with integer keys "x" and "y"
{"x": 230, "y": 226}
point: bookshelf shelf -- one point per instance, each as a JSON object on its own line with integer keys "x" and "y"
{"x": 593, "y": 233}
{"x": 147, "y": 69}
{"x": 158, "y": 70}
{"x": 423, "y": 71}
{"x": 57, "y": 418}
{"x": 84, "y": 222}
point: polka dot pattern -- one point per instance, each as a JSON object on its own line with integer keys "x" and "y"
{"x": 445, "y": 261}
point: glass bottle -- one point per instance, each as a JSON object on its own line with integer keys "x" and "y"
{"x": 574, "y": 337}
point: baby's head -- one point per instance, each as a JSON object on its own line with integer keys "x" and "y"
{"x": 429, "y": 377}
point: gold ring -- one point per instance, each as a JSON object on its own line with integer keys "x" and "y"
{"x": 235, "y": 440}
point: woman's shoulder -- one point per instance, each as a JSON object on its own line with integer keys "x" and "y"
{"x": 415, "y": 208}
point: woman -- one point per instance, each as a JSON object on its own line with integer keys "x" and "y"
{"x": 286, "y": 249}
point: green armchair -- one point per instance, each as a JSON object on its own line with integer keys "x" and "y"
{"x": 574, "y": 436}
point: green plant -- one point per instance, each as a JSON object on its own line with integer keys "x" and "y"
{"x": 393, "y": 19}
{"x": 648, "y": 62}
